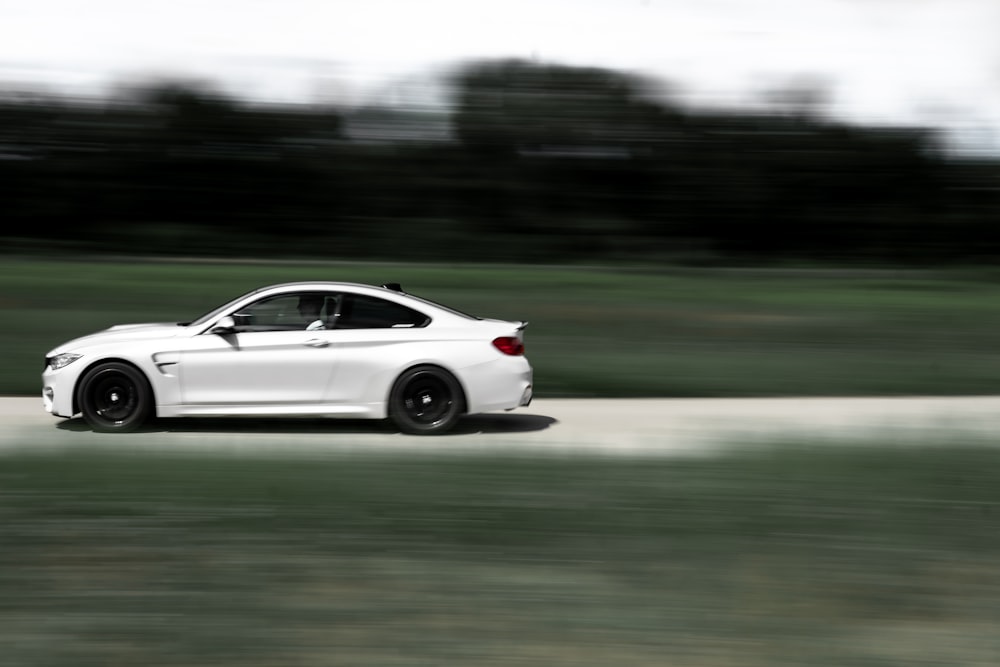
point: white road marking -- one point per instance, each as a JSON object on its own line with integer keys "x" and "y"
{"x": 549, "y": 426}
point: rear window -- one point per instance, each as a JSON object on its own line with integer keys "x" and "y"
{"x": 366, "y": 312}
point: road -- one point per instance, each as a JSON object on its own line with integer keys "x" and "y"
{"x": 600, "y": 426}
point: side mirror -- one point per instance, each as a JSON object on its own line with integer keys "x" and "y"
{"x": 226, "y": 325}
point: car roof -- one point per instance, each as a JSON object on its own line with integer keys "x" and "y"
{"x": 330, "y": 284}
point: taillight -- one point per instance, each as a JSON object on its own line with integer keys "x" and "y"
{"x": 509, "y": 345}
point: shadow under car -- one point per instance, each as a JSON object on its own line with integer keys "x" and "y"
{"x": 486, "y": 423}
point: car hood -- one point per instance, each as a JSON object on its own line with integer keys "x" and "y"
{"x": 120, "y": 333}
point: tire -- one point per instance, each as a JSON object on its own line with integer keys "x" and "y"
{"x": 115, "y": 398}
{"x": 426, "y": 400}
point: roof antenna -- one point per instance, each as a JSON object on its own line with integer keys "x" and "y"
{"x": 395, "y": 287}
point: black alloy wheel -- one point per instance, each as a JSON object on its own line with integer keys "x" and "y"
{"x": 426, "y": 400}
{"x": 115, "y": 398}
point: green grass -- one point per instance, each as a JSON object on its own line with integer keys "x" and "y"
{"x": 794, "y": 555}
{"x": 594, "y": 331}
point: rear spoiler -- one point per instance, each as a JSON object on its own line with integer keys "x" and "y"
{"x": 522, "y": 325}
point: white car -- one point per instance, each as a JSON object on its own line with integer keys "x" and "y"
{"x": 297, "y": 349}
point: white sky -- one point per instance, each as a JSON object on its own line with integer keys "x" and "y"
{"x": 884, "y": 61}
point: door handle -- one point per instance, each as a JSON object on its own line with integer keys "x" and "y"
{"x": 316, "y": 342}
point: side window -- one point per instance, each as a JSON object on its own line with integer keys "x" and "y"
{"x": 288, "y": 312}
{"x": 365, "y": 312}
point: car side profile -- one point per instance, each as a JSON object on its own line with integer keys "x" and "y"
{"x": 321, "y": 349}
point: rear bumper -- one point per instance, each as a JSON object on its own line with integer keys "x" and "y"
{"x": 504, "y": 384}
{"x": 525, "y": 397}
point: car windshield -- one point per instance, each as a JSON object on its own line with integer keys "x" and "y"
{"x": 215, "y": 312}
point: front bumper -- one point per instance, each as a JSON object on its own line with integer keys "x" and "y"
{"x": 57, "y": 392}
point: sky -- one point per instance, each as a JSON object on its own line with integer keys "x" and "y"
{"x": 899, "y": 62}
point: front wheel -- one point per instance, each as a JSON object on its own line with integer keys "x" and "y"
{"x": 425, "y": 400}
{"x": 115, "y": 397}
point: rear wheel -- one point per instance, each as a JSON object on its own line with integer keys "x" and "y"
{"x": 115, "y": 397}
{"x": 425, "y": 400}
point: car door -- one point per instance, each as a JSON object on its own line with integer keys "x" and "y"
{"x": 375, "y": 340}
{"x": 270, "y": 359}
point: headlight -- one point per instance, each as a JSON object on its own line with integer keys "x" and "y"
{"x": 64, "y": 359}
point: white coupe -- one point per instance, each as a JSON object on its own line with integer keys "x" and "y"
{"x": 297, "y": 349}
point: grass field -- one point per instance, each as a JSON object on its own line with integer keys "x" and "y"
{"x": 594, "y": 331}
{"x": 798, "y": 555}
{"x": 802, "y": 554}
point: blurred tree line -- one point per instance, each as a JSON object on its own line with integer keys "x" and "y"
{"x": 529, "y": 162}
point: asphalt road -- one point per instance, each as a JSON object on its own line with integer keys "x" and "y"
{"x": 603, "y": 426}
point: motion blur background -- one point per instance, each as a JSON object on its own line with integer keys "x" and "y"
{"x": 723, "y": 198}
{"x": 681, "y": 132}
